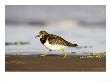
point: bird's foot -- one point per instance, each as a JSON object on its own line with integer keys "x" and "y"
{"x": 43, "y": 55}
{"x": 65, "y": 55}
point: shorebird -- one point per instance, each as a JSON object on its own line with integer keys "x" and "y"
{"x": 54, "y": 42}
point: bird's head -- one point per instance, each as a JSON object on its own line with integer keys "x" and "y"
{"x": 42, "y": 34}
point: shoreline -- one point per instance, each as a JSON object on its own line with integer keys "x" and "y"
{"x": 55, "y": 62}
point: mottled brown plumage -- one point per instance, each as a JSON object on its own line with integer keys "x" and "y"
{"x": 54, "y": 39}
{"x": 54, "y": 42}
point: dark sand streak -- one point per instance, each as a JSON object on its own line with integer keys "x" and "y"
{"x": 54, "y": 63}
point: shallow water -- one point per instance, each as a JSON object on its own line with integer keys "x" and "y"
{"x": 77, "y": 24}
{"x": 88, "y": 38}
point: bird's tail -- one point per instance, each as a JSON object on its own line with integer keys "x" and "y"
{"x": 74, "y": 45}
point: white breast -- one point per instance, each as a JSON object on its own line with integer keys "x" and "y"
{"x": 54, "y": 47}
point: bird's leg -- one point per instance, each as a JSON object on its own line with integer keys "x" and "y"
{"x": 46, "y": 53}
{"x": 65, "y": 54}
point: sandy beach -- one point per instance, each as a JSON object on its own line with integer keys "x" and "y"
{"x": 53, "y": 62}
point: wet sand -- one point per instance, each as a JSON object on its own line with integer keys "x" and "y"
{"x": 31, "y": 63}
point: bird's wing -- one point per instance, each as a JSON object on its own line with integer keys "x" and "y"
{"x": 54, "y": 39}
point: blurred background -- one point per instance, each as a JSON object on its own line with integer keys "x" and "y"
{"x": 81, "y": 24}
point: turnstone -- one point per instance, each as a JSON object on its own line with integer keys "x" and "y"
{"x": 54, "y": 42}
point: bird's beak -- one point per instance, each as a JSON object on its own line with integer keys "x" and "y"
{"x": 37, "y": 36}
